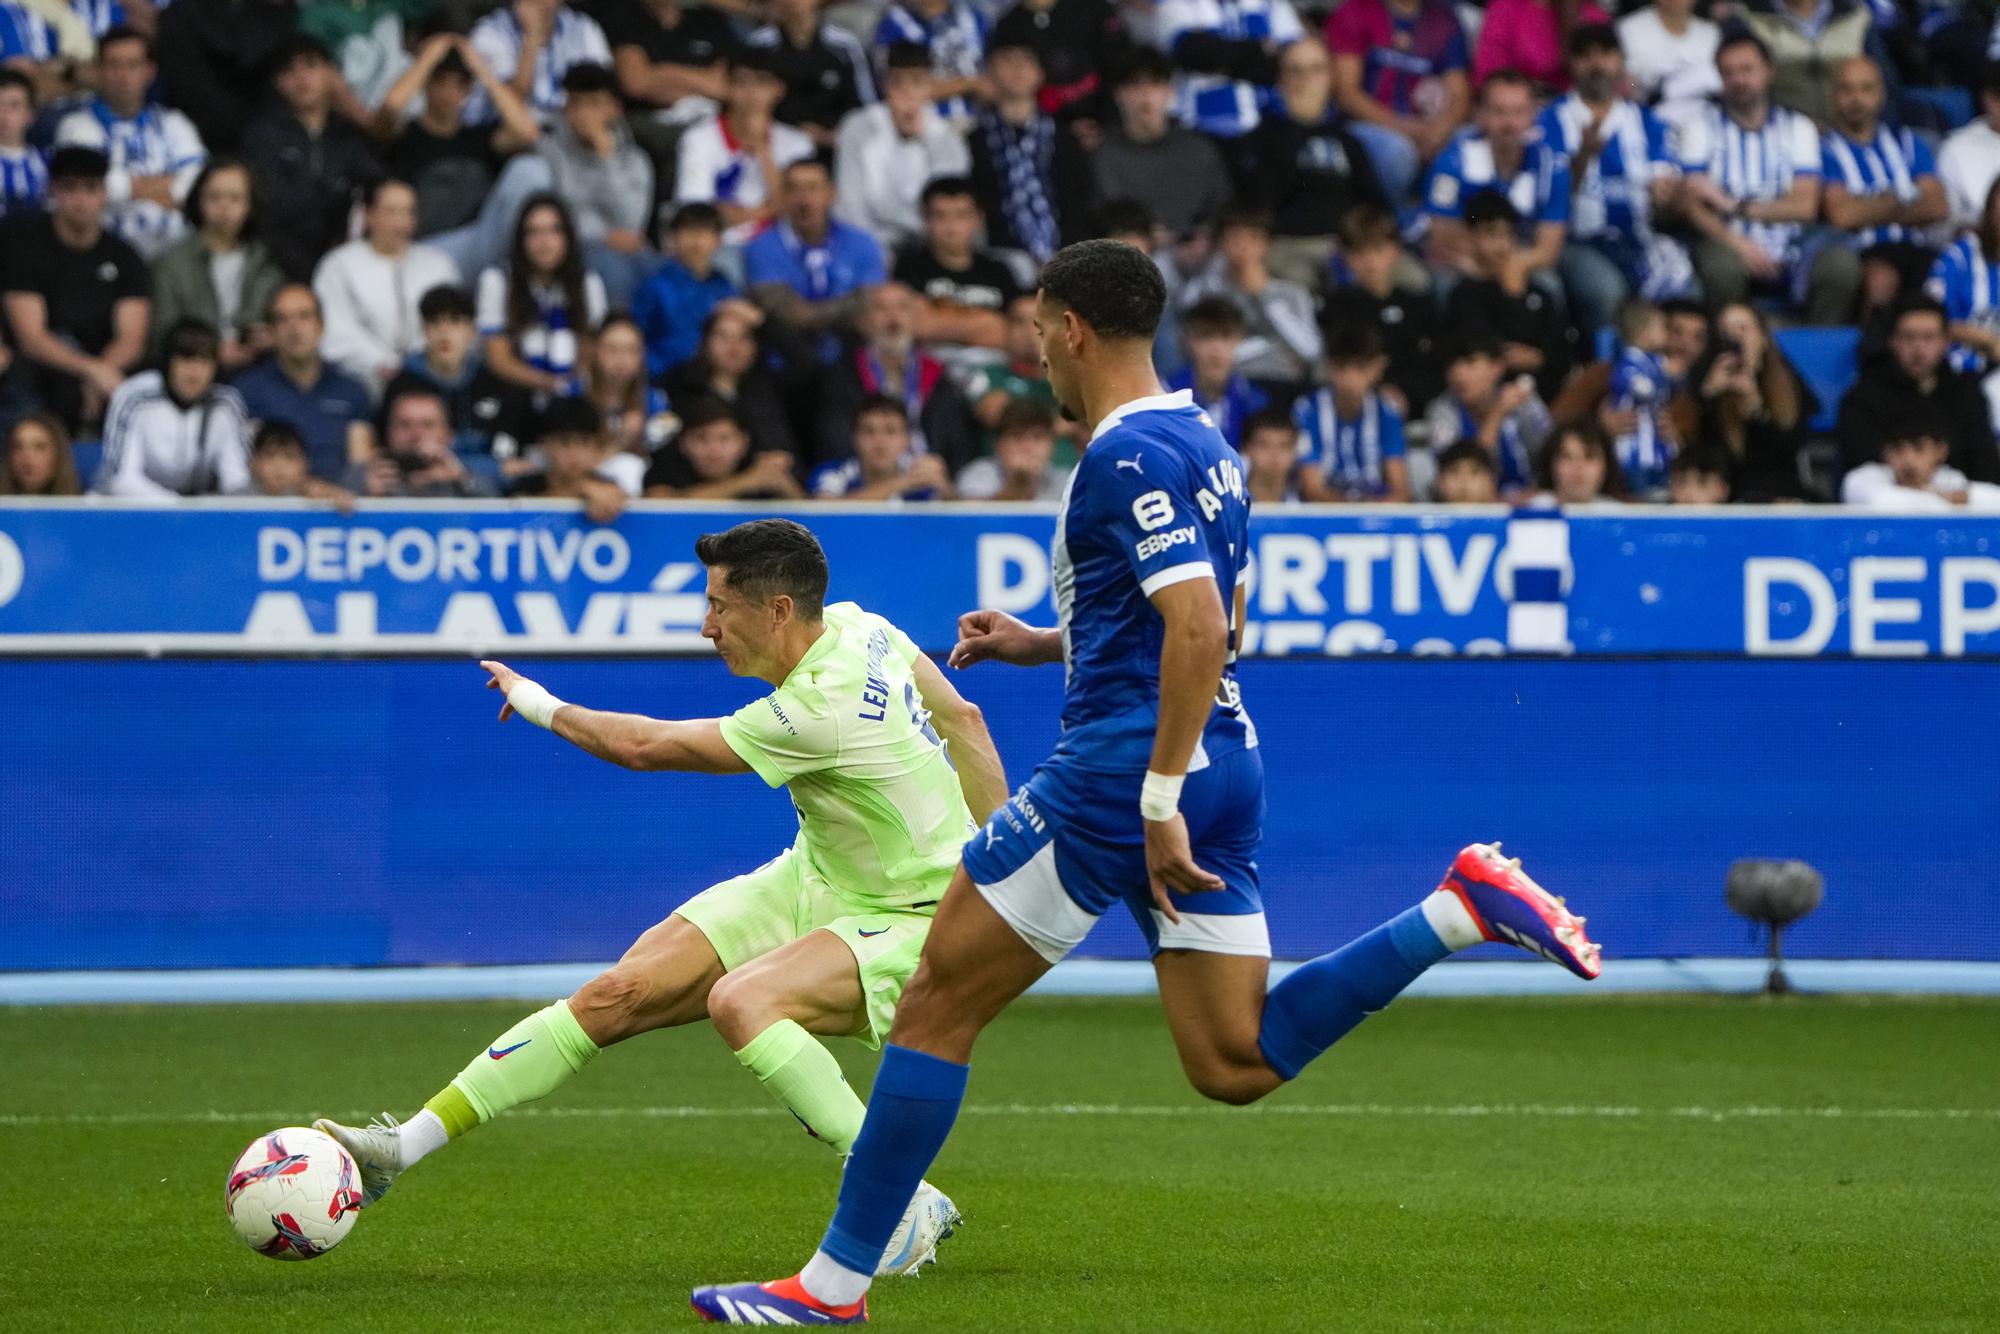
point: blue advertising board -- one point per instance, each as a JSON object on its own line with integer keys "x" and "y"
{"x": 224, "y": 577}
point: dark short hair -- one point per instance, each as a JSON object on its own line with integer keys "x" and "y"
{"x": 1468, "y": 452}
{"x": 697, "y": 217}
{"x": 1703, "y": 457}
{"x": 1731, "y": 39}
{"x": 453, "y": 66}
{"x": 1109, "y": 285}
{"x": 1352, "y": 341}
{"x": 1246, "y": 217}
{"x": 1268, "y": 419}
{"x": 1011, "y": 39}
{"x": 1212, "y": 317}
{"x": 769, "y": 557}
{"x": 1586, "y": 38}
{"x": 907, "y": 56}
{"x": 446, "y": 301}
{"x": 708, "y": 409}
{"x": 13, "y": 78}
{"x": 1989, "y": 78}
{"x": 190, "y": 339}
{"x": 760, "y": 60}
{"x": 1122, "y": 215}
{"x": 815, "y": 162}
{"x": 1369, "y": 225}
{"x": 567, "y": 417}
{"x": 1477, "y": 341}
{"x": 276, "y": 433}
{"x": 1674, "y": 307}
{"x": 1490, "y": 207}
{"x": 883, "y": 405}
{"x": 77, "y": 163}
{"x": 588, "y": 77}
{"x": 300, "y": 46}
{"x": 371, "y": 195}
{"x": 220, "y": 162}
{"x": 1022, "y": 416}
{"x": 1506, "y": 78}
{"x": 1143, "y": 65}
{"x": 1919, "y": 422}
{"x": 1920, "y": 303}
{"x": 946, "y": 187}
{"x": 409, "y": 388}
{"x": 125, "y": 32}
{"x": 319, "y": 310}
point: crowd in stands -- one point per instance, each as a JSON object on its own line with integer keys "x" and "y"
{"x": 784, "y": 249}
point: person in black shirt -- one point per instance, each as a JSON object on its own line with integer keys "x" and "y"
{"x": 1303, "y": 169}
{"x": 452, "y": 165}
{"x": 1032, "y": 178}
{"x": 309, "y": 163}
{"x": 1371, "y": 249}
{"x": 1081, "y": 44}
{"x": 1912, "y": 379}
{"x": 1535, "y": 338}
{"x": 663, "y": 51}
{"x": 488, "y": 415}
{"x": 825, "y": 68}
{"x": 964, "y": 290}
{"x": 711, "y": 459}
{"x": 215, "y": 61}
{"x": 77, "y": 298}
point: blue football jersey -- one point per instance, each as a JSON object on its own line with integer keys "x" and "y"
{"x": 1158, "y": 498}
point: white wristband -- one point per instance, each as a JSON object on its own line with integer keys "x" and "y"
{"x": 532, "y": 702}
{"x": 1160, "y": 797}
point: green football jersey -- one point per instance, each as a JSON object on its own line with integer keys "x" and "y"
{"x": 881, "y": 815}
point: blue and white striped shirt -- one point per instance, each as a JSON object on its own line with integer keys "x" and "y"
{"x": 1614, "y": 198}
{"x": 1893, "y": 162}
{"x": 158, "y": 141}
{"x": 1539, "y": 190}
{"x": 1349, "y": 452}
{"x": 956, "y": 40}
{"x": 576, "y": 40}
{"x": 1968, "y": 284}
{"x": 23, "y": 35}
{"x": 1214, "y": 103}
{"x": 1759, "y": 164}
{"x": 1640, "y": 384}
{"x": 24, "y": 181}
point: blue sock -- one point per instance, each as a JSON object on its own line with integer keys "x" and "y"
{"x": 1319, "y": 1002}
{"x": 910, "y": 1111}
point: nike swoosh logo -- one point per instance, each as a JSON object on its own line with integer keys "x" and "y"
{"x": 497, "y": 1053}
{"x": 876, "y": 932}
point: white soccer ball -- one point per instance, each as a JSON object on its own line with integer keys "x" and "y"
{"x": 293, "y": 1194}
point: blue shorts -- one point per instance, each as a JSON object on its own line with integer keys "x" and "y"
{"x": 1071, "y": 843}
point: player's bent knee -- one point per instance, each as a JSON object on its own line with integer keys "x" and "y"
{"x": 1236, "y": 1083}
{"x": 740, "y": 1008}
{"x": 608, "y": 1004}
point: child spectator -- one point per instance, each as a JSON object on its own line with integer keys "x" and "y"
{"x": 1699, "y": 476}
{"x": 1371, "y": 250}
{"x": 711, "y": 459}
{"x": 24, "y": 173}
{"x": 1578, "y": 468}
{"x": 278, "y": 463}
{"x": 176, "y": 431}
{"x": 1351, "y": 436}
{"x": 1503, "y": 414}
{"x": 570, "y": 439}
{"x": 1641, "y": 386}
{"x": 883, "y": 465}
{"x": 1021, "y": 466}
{"x": 1915, "y": 475}
{"x": 995, "y": 385}
{"x": 730, "y": 365}
{"x": 487, "y": 414}
{"x": 637, "y": 418}
{"x": 416, "y": 459}
{"x": 537, "y": 316}
{"x": 1535, "y": 339}
{"x": 37, "y": 460}
{"x": 1466, "y": 476}
{"x": 1270, "y": 451}
{"x": 1280, "y": 330}
{"x": 222, "y": 273}
{"x": 1212, "y": 332}
{"x": 671, "y": 305}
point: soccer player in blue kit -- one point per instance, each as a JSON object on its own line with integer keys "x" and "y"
{"x": 1154, "y": 797}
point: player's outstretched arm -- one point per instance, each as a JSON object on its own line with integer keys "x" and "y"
{"x": 958, "y": 720}
{"x": 1193, "y": 651}
{"x": 628, "y": 740}
{"x": 994, "y": 635}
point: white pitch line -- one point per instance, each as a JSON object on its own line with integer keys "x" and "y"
{"x": 1359, "y": 1110}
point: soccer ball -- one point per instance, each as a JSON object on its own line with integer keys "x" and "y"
{"x": 293, "y": 1194}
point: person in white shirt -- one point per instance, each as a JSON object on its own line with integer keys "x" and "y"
{"x": 531, "y": 44}
{"x": 888, "y": 152}
{"x": 1913, "y": 477}
{"x": 735, "y": 159}
{"x": 155, "y": 151}
{"x": 1969, "y": 159}
{"x": 1022, "y": 464}
{"x": 176, "y": 432}
{"x": 1670, "y": 54}
{"x": 369, "y": 288}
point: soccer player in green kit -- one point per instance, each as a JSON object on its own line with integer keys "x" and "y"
{"x": 818, "y": 941}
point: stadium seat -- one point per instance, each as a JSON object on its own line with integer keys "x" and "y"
{"x": 89, "y": 455}
{"x": 1827, "y": 359}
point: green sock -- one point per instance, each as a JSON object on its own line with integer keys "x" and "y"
{"x": 803, "y": 1075}
{"x": 528, "y": 1061}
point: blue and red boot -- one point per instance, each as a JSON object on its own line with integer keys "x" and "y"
{"x": 1509, "y": 907}
{"x": 782, "y": 1301}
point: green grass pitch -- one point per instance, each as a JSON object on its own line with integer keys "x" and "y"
{"x": 1608, "y": 1164}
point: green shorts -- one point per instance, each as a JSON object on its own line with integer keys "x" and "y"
{"x": 784, "y": 899}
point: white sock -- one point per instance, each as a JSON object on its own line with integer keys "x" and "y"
{"x": 831, "y": 1282}
{"x": 1448, "y": 916}
{"x": 421, "y": 1134}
